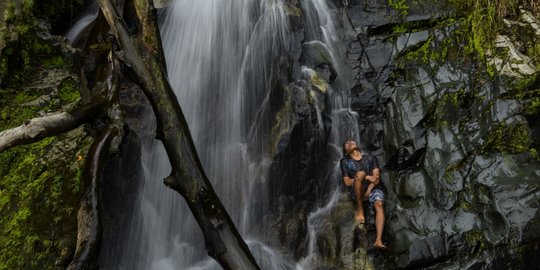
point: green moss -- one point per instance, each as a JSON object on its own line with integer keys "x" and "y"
{"x": 54, "y": 62}
{"x": 452, "y": 108}
{"x": 421, "y": 52}
{"x": 507, "y": 139}
{"x": 534, "y": 53}
{"x": 400, "y": 6}
{"x": 532, "y": 106}
{"x": 281, "y": 123}
{"x": 39, "y": 195}
{"x": 41, "y": 47}
{"x": 27, "y": 6}
{"x": 68, "y": 91}
{"x": 482, "y": 21}
{"x": 9, "y": 13}
{"x": 534, "y": 154}
{"x": 4, "y": 69}
{"x": 25, "y": 55}
{"x": 40, "y": 186}
{"x": 293, "y": 10}
{"x": 476, "y": 240}
{"x": 525, "y": 84}
{"x": 14, "y": 112}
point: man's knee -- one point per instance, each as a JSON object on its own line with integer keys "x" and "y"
{"x": 361, "y": 174}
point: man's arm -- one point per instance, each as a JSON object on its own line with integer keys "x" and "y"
{"x": 369, "y": 189}
{"x": 348, "y": 181}
{"x": 375, "y": 177}
{"x": 376, "y": 172}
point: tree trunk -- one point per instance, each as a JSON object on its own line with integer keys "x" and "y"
{"x": 143, "y": 54}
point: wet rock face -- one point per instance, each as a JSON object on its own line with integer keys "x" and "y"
{"x": 123, "y": 173}
{"x": 60, "y": 14}
{"x": 300, "y": 149}
{"x": 458, "y": 145}
{"x": 457, "y": 136}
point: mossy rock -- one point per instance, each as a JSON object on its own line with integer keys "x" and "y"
{"x": 39, "y": 197}
{"x": 40, "y": 186}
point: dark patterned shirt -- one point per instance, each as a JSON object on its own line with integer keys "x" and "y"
{"x": 349, "y": 167}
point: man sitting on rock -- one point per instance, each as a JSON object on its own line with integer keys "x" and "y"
{"x": 362, "y": 173}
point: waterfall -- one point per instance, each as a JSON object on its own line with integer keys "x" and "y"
{"x": 221, "y": 58}
{"x": 321, "y": 33}
{"x": 77, "y": 31}
{"x": 316, "y": 222}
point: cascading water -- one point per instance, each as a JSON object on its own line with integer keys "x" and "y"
{"x": 76, "y": 32}
{"x": 322, "y": 33}
{"x": 221, "y": 57}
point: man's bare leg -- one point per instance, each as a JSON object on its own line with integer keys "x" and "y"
{"x": 379, "y": 224}
{"x": 358, "y": 191}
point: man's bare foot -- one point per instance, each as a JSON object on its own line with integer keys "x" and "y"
{"x": 360, "y": 217}
{"x": 379, "y": 245}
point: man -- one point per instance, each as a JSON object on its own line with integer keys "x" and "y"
{"x": 362, "y": 173}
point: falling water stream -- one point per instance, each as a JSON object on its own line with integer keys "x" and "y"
{"x": 321, "y": 30}
{"x": 83, "y": 24}
{"x": 221, "y": 59}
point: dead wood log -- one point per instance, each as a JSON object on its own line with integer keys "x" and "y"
{"x": 36, "y": 129}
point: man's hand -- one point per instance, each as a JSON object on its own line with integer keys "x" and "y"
{"x": 368, "y": 191}
{"x": 373, "y": 179}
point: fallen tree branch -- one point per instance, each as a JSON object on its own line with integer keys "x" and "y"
{"x": 36, "y": 129}
{"x": 88, "y": 217}
{"x": 143, "y": 54}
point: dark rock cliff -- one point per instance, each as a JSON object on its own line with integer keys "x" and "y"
{"x": 455, "y": 126}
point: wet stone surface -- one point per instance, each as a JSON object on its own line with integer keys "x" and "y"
{"x": 462, "y": 191}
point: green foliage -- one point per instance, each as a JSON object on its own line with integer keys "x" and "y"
{"x": 452, "y": 108}
{"x": 431, "y": 50}
{"x": 54, "y": 62}
{"x": 482, "y": 22}
{"x": 9, "y": 13}
{"x": 534, "y": 52}
{"x": 522, "y": 86}
{"x": 422, "y": 52}
{"x": 400, "y": 6}
{"x": 532, "y": 106}
{"x": 24, "y": 58}
{"x": 476, "y": 240}
{"x": 507, "y": 139}
{"x": 14, "y": 112}
{"x": 526, "y": 90}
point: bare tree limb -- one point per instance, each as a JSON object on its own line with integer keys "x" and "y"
{"x": 38, "y": 128}
{"x": 143, "y": 54}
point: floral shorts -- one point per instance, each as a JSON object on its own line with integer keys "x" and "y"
{"x": 376, "y": 195}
